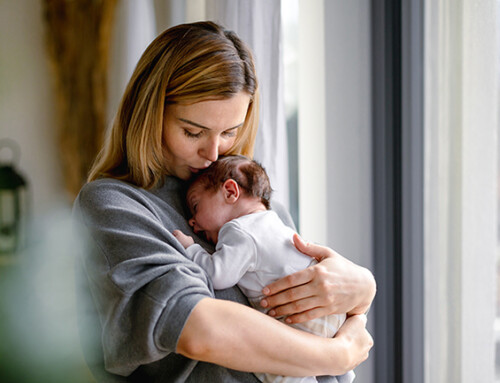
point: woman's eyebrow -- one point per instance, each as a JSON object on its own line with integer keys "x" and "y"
{"x": 204, "y": 127}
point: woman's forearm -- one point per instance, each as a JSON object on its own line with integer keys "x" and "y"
{"x": 241, "y": 338}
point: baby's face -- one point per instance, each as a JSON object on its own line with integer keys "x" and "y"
{"x": 209, "y": 211}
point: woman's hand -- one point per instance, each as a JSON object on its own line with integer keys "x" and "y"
{"x": 356, "y": 339}
{"x": 334, "y": 285}
{"x": 184, "y": 239}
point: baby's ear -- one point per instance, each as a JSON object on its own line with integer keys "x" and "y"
{"x": 231, "y": 191}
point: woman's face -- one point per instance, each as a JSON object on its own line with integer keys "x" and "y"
{"x": 194, "y": 135}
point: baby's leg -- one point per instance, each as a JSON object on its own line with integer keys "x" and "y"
{"x": 346, "y": 378}
{"x": 270, "y": 378}
{"x": 326, "y": 326}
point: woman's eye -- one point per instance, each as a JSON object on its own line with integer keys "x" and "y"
{"x": 229, "y": 133}
{"x": 190, "y": 134}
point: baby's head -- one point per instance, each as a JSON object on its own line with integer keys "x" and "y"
{"x": 230, "y": 187}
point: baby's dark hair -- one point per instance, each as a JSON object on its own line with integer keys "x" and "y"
{"x": 249, "y": 175}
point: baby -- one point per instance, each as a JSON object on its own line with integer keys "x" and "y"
{"x": 230, "y": 203}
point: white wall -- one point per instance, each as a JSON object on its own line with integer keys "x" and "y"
{"x": 348, "y": 128}
{"x": 349, "y": 138}
{"x": 26, "y": 100}
{"x": 43, "y": 331}
{"x": 335, "y": 125}
{"x": 335, "y": 139}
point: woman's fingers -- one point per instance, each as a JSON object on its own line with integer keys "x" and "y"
{"x": 281, "y": 286}
{"x": 310, "y": 300}
{"x": 311, "y": 249}
{"x": 295, "y": 307}
{"x": 355, "y": 328}
{"x": 359, "y": 339}
{"x": 299, "y": 243}
{"x": 308, "y": 315}
{"x": 358, "y": 318}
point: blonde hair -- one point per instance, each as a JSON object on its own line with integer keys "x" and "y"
{"x": 187, "y": 63}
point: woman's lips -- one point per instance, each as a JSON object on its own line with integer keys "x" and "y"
{"x": 196, "y": 170}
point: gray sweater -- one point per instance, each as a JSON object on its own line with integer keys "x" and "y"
{"x": 137, "y": 287}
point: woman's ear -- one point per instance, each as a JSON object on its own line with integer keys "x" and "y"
{"x": 231, "y": 191}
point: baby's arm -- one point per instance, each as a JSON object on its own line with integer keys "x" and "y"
{"x": 234, "y": 255}
{"x": 184, "y": 239}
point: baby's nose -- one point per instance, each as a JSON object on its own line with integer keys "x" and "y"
{"x": 192, "y": 223}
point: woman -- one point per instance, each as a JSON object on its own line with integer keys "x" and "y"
{"x": 192, "y": 97}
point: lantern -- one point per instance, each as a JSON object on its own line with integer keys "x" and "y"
{"x": 12, "y": 200}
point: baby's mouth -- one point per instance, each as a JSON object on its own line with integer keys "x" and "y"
{"x": 209, "y": 238}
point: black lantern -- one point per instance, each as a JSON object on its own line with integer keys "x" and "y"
{"x": 12, "y": 199}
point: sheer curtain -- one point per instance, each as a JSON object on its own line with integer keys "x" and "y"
{"x": 461, "y": 125}
{"x": 258, "y": 23}
{"x": 134, "y": 29}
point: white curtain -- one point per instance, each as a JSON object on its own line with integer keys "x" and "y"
{"x": 258, "y": 23}
{"x": 461, "y": 156}
{"x": 134, "y": 29}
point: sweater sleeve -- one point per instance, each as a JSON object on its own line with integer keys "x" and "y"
{"x": 235, "y": 254}
{"x": 142, "y": 284}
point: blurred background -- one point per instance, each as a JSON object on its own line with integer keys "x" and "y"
{"x": 379, "y": 127}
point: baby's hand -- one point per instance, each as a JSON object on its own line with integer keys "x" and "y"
{"x": 184, "y": 239}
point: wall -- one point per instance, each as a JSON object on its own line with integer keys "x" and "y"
{"x": 349, "y": 138}
{"x": 37, "y": 307}
{"x": 348, "y": 128}
{"x": 27, "y": 102}
{"x": 335, "y": 132}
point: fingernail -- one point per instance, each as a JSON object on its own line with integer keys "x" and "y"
{"x": 288, "y": 320}
{"x": 272, "y": 313}
{"x": 265, "y": 290}
{"x": 264, "y": 303}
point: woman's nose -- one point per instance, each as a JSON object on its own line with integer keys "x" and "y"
{"x": 210, "y": 150}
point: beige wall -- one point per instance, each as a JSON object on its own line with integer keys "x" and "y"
{"x": 26, "y": 100}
